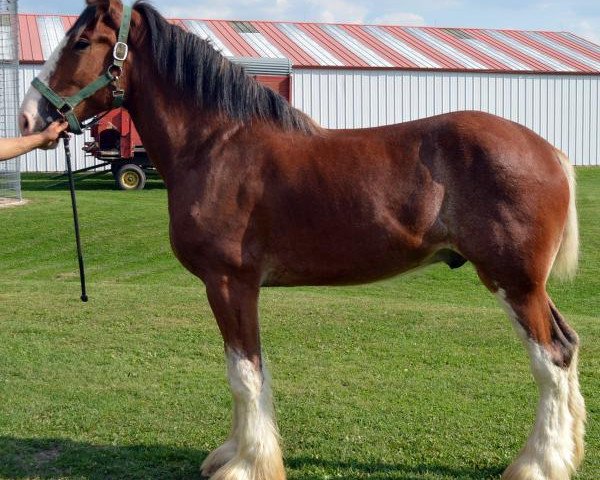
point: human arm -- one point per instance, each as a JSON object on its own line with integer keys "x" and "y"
{"x": 13, "y": 147}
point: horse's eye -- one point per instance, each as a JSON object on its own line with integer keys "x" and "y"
{"x": 82, "y": 44}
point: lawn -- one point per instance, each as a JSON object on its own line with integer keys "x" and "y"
{"x": 419, "y": 377}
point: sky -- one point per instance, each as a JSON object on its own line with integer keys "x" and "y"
{"x": 581, "y": 17}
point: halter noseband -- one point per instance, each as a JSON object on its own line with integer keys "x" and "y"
{"x": 65, "y": 106}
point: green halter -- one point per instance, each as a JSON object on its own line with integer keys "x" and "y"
{"x": 65, "y": 106}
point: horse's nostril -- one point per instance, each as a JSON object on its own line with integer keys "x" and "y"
{"x": 25, "y": 124}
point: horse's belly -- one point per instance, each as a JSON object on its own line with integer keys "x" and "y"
{"x": 343, "y": 263}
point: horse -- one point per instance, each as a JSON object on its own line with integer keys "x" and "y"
{"x": 260, "y": 195}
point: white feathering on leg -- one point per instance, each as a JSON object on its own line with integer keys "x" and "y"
{"x": 257, "y": 455}
{"x": 550, "y": 451}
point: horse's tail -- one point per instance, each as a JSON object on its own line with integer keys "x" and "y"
{"x": 565, "y": 263}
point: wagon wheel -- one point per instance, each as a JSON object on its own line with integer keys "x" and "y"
{"x": 130, "y": 177}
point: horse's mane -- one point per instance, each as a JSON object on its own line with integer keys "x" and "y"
{"x": 203, "y": 75}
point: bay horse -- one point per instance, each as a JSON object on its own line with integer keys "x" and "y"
{"x": 260, "y": 195}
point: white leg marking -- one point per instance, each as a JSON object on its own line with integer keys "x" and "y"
{"x": 31, "y": 103}
{"x": 550, "y": 451}
{"x": 254, "y": 439}
{"x": 577, "y": 407}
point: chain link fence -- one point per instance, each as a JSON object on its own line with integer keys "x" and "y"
{"x": 10, "y": 178}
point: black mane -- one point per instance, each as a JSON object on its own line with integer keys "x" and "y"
{"x": 195, "y": 68}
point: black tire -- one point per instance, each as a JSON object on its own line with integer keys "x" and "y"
{"x": 130, "y": 177}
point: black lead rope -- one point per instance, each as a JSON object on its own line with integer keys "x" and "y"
{"x": 66, "y": 140}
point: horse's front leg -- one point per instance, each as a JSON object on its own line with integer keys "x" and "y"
{"x": 252, "y": 451}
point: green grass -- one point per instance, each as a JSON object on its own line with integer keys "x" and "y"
{"x": 419, "y": 377}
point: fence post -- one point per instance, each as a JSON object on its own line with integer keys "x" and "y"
{"x": 10, "y": 177}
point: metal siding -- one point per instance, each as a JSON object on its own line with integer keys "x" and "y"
{"x": 309, "y": 45}
{"x": 461, "y": 45}
{"x": 497, "y": 54}
{"x": 443, "y": 60}
{"x": 51, "y": 34}
{"x": 561, "y": 108}
{"x": 264, "y": 66}
{"x": 333, "y": 45}
{"x": 534, "y": 63}
{"x": 371, "y": 46}
{"x": 355, "y": 46}
{"x": 202, "y": 30}
{"x": 570, "y": 52}
{"x": 34, "y": 37}
{"x": 440, "y": 45}
{"x": 236, "y": 43}
{"x": 550, "y": 52}
{"x": 262, "y": 45}
{"x": 529, "y": 50}
{"x": 380, "y": 46}
{"x": 401, "y": 47}
{"x": 290, "y": 49}
{"x": 590, "y": 47}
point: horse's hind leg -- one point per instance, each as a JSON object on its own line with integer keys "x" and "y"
{"x": 555, "y": 447}
{"x": 252, "y": 451}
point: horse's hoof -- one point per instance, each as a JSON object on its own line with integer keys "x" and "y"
{"x": 249, "y": 469}
{"x": 217, "y": 458}
{"x": 526, "y": 468}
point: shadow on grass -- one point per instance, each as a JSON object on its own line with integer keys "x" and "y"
{"x": 386, "y": 471}
{"x": 62, "y": 458}
{"x": 47, "y": 459}
{"x": 100, "y": 181}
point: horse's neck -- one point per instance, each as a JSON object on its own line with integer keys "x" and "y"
{"x": 171, "y": 128}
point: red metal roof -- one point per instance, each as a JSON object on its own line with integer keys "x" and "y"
{"x": 322, "y": 45}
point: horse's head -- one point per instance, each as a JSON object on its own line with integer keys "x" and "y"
{"x": 65, "y": 87}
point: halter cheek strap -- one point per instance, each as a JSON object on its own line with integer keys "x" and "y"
{"x": 66, "y": 106}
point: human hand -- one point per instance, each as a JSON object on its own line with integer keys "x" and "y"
{"x": 50, "y": 136}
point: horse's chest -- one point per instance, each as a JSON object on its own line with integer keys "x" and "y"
{"x": 204, "y": 233}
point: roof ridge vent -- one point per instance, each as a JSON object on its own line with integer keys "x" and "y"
{"x": 243, "y": 27}
{"x": 458, "y": 33}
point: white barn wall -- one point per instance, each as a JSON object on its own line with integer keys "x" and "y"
{"x": 564, "y": 109}
{"x": 51, "y": 160}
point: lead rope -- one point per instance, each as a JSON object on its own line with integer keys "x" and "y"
{"x": 67, "y": 145}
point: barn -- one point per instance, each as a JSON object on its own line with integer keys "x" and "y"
{"x": 351, "y": 76}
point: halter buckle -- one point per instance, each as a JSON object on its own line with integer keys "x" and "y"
{"x": 120, "y": 51}
{"x": 115, "y": 71}
{"x": 65, "y": 109}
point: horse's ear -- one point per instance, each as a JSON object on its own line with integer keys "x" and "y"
{"x": 103, "y": 5}
{"x": 108, "y": 9}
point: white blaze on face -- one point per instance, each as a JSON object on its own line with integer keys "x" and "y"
{"x": 31, "y": 118}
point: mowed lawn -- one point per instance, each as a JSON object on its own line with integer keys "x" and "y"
{"x": 419, "y": 377}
